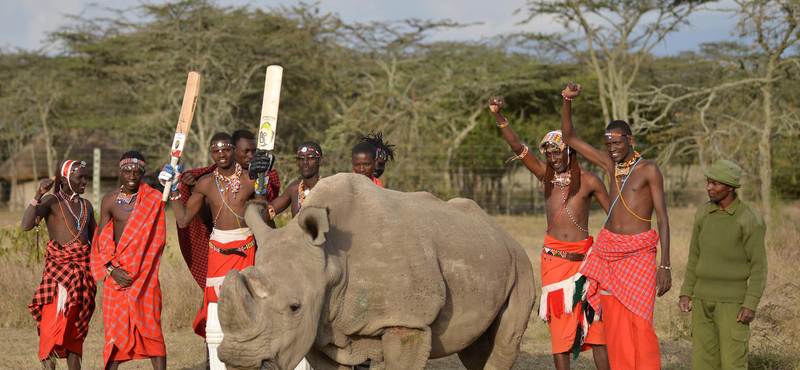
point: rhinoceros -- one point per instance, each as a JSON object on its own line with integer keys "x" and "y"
{"x": 369, "y": 273}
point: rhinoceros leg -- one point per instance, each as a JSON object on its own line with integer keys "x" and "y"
{"x": 406, "y": 349}
{"x": 498, "y": 348}
{"x": 320, "y": 361}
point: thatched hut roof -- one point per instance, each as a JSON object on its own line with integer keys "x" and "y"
{"x": 67, "y": 147}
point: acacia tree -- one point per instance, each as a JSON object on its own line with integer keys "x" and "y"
{"x": 740, "y": 105}
{"x": 613, "y": 38}
{"x": 774, "y": 25}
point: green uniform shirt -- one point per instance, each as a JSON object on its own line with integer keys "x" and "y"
{"x": 726, "y": 250}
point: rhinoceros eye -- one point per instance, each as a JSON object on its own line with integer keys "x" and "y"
{"x": 294, "y": 307}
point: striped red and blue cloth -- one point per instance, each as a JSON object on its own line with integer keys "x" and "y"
{"x": 624, "y": 265}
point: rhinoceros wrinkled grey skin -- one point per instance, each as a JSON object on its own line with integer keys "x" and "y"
{"x": 369, "y": 273}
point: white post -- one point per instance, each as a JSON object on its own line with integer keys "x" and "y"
{"x": 96, "y": 178}
{"x": 213, "y": 337}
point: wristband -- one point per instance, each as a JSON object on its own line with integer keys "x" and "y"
{"x": 175, "y": 197}
{"x": 503, "y": 123}
{"x": 109, "y": 269}
{"x": 35, "y": 202}
{"x": 271, "y": 212}
{"x": 665, "y": 267}
{"x": 565, "y": 96}
{"x": 521, "y": 155}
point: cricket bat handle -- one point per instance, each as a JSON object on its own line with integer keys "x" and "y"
{"x": 262, "y": 182}
{"x": 168, "y": 186}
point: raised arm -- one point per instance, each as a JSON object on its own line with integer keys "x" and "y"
{"x": 282, "y": 202}
{"x": 596, "y": 156}
{"x": 656, "y": 182}
{"x": 534, "y": 164}
{"x": 185, "y": 214}
{"x": 37, "y": 208}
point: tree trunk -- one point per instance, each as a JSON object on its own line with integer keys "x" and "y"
{"x": 764, "y": 154}
{"x": 472, "y": 122}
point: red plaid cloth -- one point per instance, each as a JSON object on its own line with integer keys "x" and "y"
{"x": 69, "y": 266}
{"x": 193, "y": 239}
{"x": 136, "y": 308}
{"x": 624, "y": 265}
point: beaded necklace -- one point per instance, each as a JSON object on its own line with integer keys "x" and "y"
{"x": 619, "y": 195}
{"x": 78, "y": 224}
{"x": 302, "y": 193}
{"x": 68, "y": 199}
{"x": 623, "y": 169}
{"x": 124, "y": 198}
{"x": 562, "y": 179}
{"x": 234, "y": 183}
{"x": 223, "y": 195}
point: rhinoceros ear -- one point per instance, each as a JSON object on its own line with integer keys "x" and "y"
{"x": 314, "y": 221}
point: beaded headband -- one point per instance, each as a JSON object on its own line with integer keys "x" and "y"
{"x": 380, "y": 153}
{"x": 66, "y": 167}
{"x": 132, "y": 161}
{"x": 552, "y": 138}
{"x": 221, "y": 145}
{"x": 306, "y": 149}
{"x": 610, "y": 134}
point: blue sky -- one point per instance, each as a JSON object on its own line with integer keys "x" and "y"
{"x": 24, "y": 23}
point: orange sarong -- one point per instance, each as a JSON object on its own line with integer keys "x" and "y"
{"x": 635, "y": 345}
{"x": 559, "y": 307}
{"x": 219, "y": 264}
{"x": 58, "y": 333}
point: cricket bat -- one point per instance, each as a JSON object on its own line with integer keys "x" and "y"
{"x": 269, "y": 115}
{"x": 184, "y": 122}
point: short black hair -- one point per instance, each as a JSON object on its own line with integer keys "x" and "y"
{"x": 622, "y": 125}
{"x": 377, "y": 141}
{"x": 242, "y": 134}
{"x": 312, "y": 145}
{"x": 221, "y": 136}
{"x": 132, "y": 154}
{"x": 363, "y": 147}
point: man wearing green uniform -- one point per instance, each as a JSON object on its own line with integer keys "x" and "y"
{"x": 726, "y": 273}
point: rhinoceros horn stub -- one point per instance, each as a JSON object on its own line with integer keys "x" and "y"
{"x": 236, "y": 305}
{"x": 260, "y": 285}
{"x": 252, "y": 215}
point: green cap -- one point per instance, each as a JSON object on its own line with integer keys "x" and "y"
{"x": 726, "y": 172}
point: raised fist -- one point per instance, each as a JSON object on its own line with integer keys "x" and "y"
{"x": 188, "y": 180}
{"x": 46, "y": 185}
{"x": 262, "y": 162}
{"x": 572, "y": 90}
{"x": 169, "y": 174}
{"x": 496, "y": 105}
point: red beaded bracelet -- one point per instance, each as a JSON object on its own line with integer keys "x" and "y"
{"x": 565, "y": 96}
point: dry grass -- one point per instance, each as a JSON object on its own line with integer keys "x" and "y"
{"x": 775, "y": 342}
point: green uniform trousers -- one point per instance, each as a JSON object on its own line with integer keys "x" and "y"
{"x": 718, "y": 340}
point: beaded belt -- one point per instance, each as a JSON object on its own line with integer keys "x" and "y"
{"x": 569, "y": 256}
{"x": 237, "y": 251}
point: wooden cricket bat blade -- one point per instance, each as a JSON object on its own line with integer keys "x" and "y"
{"x": 184, "y": 123}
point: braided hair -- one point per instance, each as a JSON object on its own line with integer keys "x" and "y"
{"x": 382, "y": 148}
